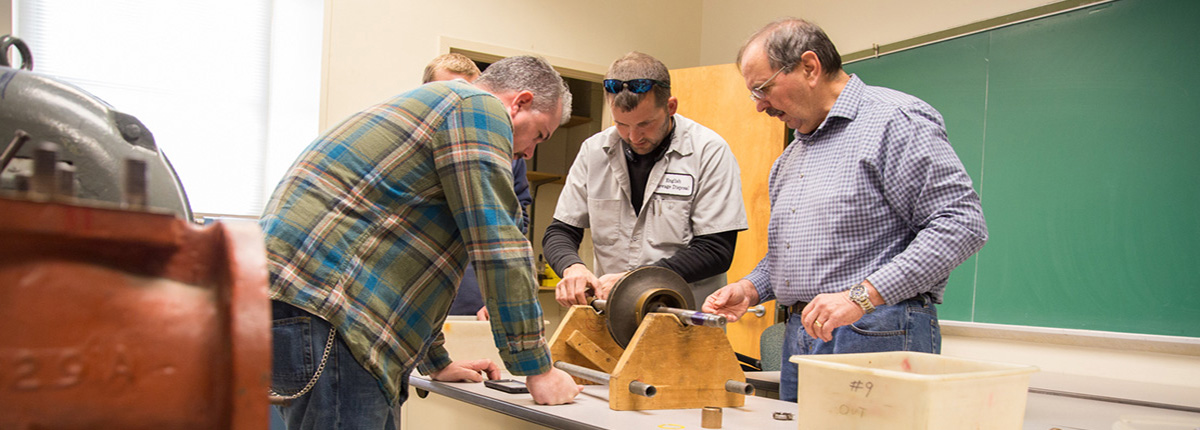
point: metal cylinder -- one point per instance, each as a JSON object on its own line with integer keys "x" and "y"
{"x": 642, "y": 389}
{"x": 739, "y": 387}
{"x": 710, "y": 417}
{"x": 636, "y": 387}
{"x": 600, "y": 305}
{"x": 693, "y": 317}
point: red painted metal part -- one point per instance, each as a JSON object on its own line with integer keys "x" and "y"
{"x": 130, "y": 320}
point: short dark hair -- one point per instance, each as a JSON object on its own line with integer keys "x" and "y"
{"x": 533, "y": 74}
{"x": 787, "y": 39}
{"x": 636, "y": 65}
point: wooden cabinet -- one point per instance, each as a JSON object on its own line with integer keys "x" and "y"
{"x": 716, "y": 96}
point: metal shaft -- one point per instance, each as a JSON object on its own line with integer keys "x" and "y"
{"x": 635, "y": 387}
{"x": 687, "y": 316}
{"x": 739, "y": 387}
{"x": 693, "y": 317}
{"x": 19, "y": 139}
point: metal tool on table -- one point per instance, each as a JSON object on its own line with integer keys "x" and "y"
{"x": 647, "y": 335}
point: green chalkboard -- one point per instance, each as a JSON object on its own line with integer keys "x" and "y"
{"x": 1081, "y": 132}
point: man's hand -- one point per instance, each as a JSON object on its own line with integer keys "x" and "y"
{"x": 832, "y": 310}
{"x": 606, "y": 284}
{"x": 731, "y": 301}
{"x": 576, "y": 281}
{"x": 553, "y": 388}
{"x": 467, "y": 371}
{"x": 482, "y": 314}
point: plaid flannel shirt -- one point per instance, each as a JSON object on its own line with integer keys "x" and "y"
{"x": 371, "y": 229}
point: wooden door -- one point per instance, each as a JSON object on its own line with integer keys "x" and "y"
{"x": 716, "y": 96}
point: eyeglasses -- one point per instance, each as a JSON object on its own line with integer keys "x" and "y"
{"x": 757, "y": 93}
{"x": 636, "y": 86}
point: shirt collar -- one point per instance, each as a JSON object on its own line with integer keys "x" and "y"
{"x": 847, "y": 102}
{"x": 677, "y": 140}
{"x": 846, "y": 105}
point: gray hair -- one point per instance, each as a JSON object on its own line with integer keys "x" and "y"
{"x": 789, "y": 38}
{"x": 636, "y": 65}
{"x": 533, "y": 74}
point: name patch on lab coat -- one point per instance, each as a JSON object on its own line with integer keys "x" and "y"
{"x": 676, "y": 184}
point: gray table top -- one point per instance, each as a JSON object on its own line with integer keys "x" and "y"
{"x": 590, "y": 410}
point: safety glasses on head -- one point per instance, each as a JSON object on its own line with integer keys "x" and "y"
{"x": 636, "y": 86}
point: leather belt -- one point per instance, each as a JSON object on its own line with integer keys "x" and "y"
{"x": 797, "y": 308}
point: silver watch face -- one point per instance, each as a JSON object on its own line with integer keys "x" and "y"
{"x": 858, "y": 292}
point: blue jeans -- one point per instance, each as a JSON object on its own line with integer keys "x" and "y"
{"x": 910, "y": 325}
{"x": 346, "y": 396}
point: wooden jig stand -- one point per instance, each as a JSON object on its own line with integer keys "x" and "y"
{"x": 685, "y": 366}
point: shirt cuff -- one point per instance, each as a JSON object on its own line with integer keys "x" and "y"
{"x": 888, "y": 281}
{"x": 437, "y": 359}
{"x": 528, "y": 362}
{"x": 762, "y": 284}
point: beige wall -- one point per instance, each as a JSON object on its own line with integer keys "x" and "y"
{"x": 853, "y": 25}
{"x": 6, "y": 17}
{"x": 377, "y": 48}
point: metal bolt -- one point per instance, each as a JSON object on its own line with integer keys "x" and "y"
{"x": 131, "y": 132}
{"x": 45, "y": 164}
{"x": 66, "y": 181}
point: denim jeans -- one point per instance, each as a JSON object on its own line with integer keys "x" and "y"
{"x": 910, "y": 325}
{"x": 346, "y": 396}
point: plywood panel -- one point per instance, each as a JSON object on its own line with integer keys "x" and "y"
{"x": 716, "y": 96}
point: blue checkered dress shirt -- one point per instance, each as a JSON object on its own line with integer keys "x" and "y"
{"x": 876, "y": 193}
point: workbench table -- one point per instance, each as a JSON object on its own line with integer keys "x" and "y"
{"x": 590, "y": 411}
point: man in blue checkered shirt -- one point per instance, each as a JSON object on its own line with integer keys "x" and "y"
{"x": 870, "y": 207}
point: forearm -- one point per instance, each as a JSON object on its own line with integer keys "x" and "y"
{"x": 927, "y": 261}
{"x": 500, "y": 252}
{"x": 935, "y": 197}
{"x": 705, "y": 256}
{"x": 560, "y": 245}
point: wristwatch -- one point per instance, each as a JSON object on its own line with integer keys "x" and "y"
{"x": 858, "y": 294}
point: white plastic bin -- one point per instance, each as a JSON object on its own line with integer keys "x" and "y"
{"x": 909, "y": 390}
